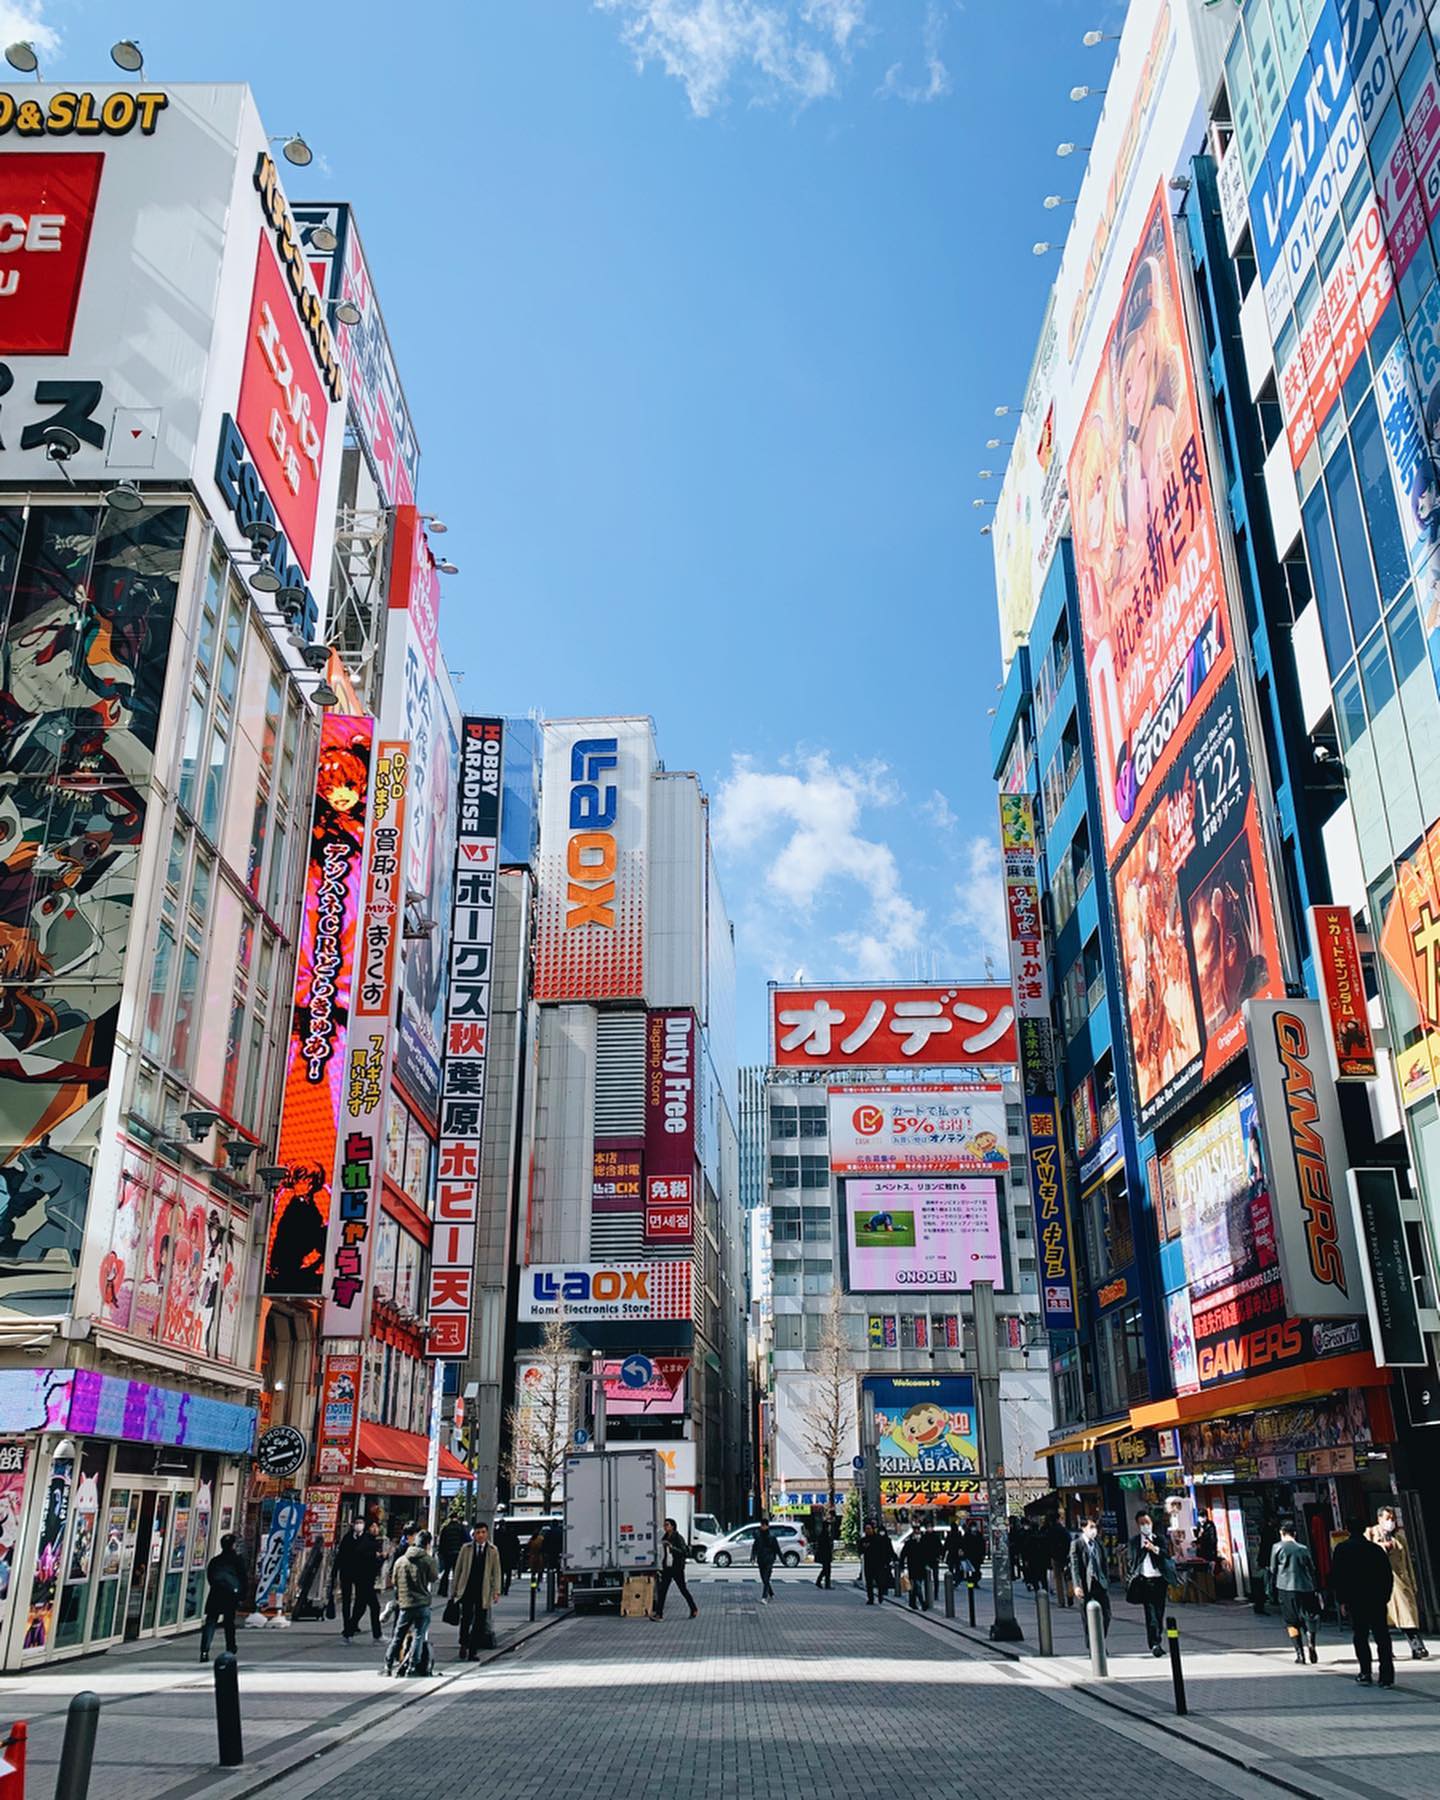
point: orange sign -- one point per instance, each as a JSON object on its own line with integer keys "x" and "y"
{"x": 1410, "y": 943}
{"x": 1342, "y": 988}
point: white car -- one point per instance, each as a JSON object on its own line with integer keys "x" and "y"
{"x": 734, "y": 1547}
{"x": 705, "y": 1533}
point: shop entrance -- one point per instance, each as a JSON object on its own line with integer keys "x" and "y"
{"x": 143, "y": 1595}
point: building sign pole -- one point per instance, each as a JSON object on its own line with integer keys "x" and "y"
{"x": 1005, "y": 1628}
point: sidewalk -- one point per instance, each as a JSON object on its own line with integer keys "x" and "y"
{"x": 1313, "y": 1730}
{"x": 301, "y": 1691}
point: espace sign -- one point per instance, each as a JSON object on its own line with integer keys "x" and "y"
{"x": 47, "y": 205}
{"x": 594, "y": 817}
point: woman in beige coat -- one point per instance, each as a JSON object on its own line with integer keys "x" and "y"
{"x": 1404, "y": 1608}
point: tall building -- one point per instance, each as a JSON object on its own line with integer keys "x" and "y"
{"x": 629, "y": 1223}
{"x": 1213, "y": 751}
{"x": 895, "y": 1179}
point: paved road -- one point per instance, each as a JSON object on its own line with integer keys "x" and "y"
{"x": 811, "y": 1697}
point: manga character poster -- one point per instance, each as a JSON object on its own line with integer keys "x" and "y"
{"x": 87, "y": 605}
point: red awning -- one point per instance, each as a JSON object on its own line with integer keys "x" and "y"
{"x": 386, "y": 1447}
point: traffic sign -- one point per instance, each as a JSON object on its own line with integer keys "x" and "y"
{"x": 637, "y": 1372}
{"x": 857, "y": 1463}
{"x": 582, "y": 1436}
{"x": 459, "y": 1411}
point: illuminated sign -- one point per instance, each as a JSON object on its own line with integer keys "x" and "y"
{"x": 1052, "y": 1213}
{"x": 912, "y": 1233}
{"x": 881, "y": 1027}
{"x": 82, "y": 114}
{"x": 956, "y": 1129}
{"x": 628, "y": 1290}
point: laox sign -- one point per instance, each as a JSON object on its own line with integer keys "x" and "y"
{"x": 580, "y": 1284}
{"x": 590, "y": 856}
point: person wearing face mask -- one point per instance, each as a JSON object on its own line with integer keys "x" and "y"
{"x": 1148, "y": 1575}
{"x": 357, "y": 1563}
{"x": 1090, "y": 1570}
{"x": 1403, "y": 1611}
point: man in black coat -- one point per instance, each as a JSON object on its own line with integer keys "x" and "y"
{"x": 876, "y": 1557}
{"x": 674, "y": 1554}
{"x": 357, "y": 1563}
{"x": 1090, "y": 1570}
{"x": 915, "y": 1561}
{"x": 975, "y": 1547}
{"x": 1147, "y": 1571}
{"x": 225, "y": 1578}
{"x": 1361, "y": 1579}
{"x": 824, "y": 1549}
{"x": 764, "y": 1549}
{"x": 453, "y": 1536}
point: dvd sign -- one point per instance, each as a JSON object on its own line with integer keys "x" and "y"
{"x": 47, "y": 206}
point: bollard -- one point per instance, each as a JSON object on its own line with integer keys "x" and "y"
{"x": 949, "y": 1595}
{"x": 1177, "y": 1674}
{"x": 1095, "y": 1631}
{"x": 534, "y": 1589}
{"x": 77, "y": 1752}
{"x": 12, "y": 1762}
{"x": 970, "y": 1595}
{"x": 227, "y": 1711}
{"x": 1042, "y": 1622}
{"x": 549, "y": 1590}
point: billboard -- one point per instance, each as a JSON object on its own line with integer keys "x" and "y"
{"x": 1226, "y": 1231}
{"x": 338, "y": 1435}
{"x": 1410, "y": 946}
{"x": 1050, "y": 1194}
{"x": 319, "y": 1026}
{"x": 1029, "y": 976}
{"x": 594, "y": 826}
{"x": 662, "y": 1396}
{"x": 930, "y": 1025}
{"x": 912, "y": 1234}
{"x": 1350, "y": 1043}
{"x": 618, "y": 1290}
{"x": 942, "y": 1130}
{"x": 83, "y": 688}
{"x": 1305, "y": 1157}
{"x": 360, "y": 1149}
{"x": 467, "y": 1039}
{"x": 670, "y": 1102}
{"x": 48, "y": 203}
{"x": 927, "y": 1435}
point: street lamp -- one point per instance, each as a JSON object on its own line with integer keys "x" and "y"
{"x": 1092, "y": 38}
{"x": 22, "y": 56}
{"x": 1088, "y": 93}
{"x": 295, "y": 150}
{"x": 1051, "y": 201}
{"x": 323, "y": 239}
{"x": 346, "y": 312}
{"x": 127, "y": 55}
{"x": 998, "y": 443}
{"x": 1043, "y": 248}
{"x": 1070, "y": 149}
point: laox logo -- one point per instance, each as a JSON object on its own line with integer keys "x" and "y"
{"x": 591, "y": 857}
{"x": 604, "y": 1284}
{"x": 1307, "y": 1146}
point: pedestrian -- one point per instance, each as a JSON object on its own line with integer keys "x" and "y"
{"x": 225, "y": 1579}
{"x": 824, "y": 1548}
{"x": 915, "y": 1564}
{"x": 507, "y": 1542}
{"x": 674, "y": 1554}
{"x": 1403, "y": 1613}
{"x": 1035, "y": 1555}
{"x": 1148, "y": 1574}
{"x": 1016, "y": 1539}
{"x": 974, "y": 1547}
{"x": 402, "y": 1544}
{"x": 357, "y": 1567}
{"x": 535, "y": 1556}
{"x": 1057, "y": 1550}
{"x": 453, "y": 1538}
{"x": 416, "y": 1573}
{"x": 1090, "y": 1570}
{"x": 366, "y": 1564}
{"x": 875, "y": 1559}
{"x": 1361, "y": 1579}
{"x": 1207, "y": 1540}
{"x": 954, "y": 1551}
{"x": 1294, "y": 1588}
{"x": 763, "y": 1551}
{"x": 477, "y": 1585}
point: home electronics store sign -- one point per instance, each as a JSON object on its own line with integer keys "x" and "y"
{"x": 930, "y": 1130}
{"x": 653, "y": 1291}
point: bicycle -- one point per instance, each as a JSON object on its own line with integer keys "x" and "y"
{"x": 423, "y": 1665}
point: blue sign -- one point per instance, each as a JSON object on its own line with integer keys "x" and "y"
{"x": 1052, "y": 1213}
{"x": 582, "y": 1436}
{"x": 637, "y": 1371}
{"x": 857, "y": 1463}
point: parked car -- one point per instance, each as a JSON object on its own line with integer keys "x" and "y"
{"x": 705, "y": 1532}
{"x": 734, "y": 1547}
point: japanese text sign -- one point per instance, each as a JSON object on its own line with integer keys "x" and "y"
{"x": 670, "y": 1098}
{"x": 47, "y": 204}
{"x": 339, "y": 1429}
{"x": 1342, "y": 992}
{"x": 880, "y": 1027}
{"x": 907, "y": 1234}
{"x": 1049, "y": 1191}
{"x": 957, "y": 1129}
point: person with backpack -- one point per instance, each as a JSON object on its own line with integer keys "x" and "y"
{"x": 416, "y": 1573}
{"x": 225, "y": 1576}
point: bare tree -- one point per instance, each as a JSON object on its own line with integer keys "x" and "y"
{"x": 538, "y": 1427}
{"x": 825, "y": 1424}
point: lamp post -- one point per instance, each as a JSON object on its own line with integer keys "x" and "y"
{"x": 1005, "y": 1627}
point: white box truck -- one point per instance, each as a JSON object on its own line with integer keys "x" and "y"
{"x": 614, "y": 1520}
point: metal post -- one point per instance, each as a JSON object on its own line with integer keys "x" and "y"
{"x": 1177, "y": 1674}
{"x": 1042, "y": 1622}
{"x": 1095, "y": 1631}
{"x": 949, "y": 1595}
{"x": 77, "y": 1752}
{"x": 872, "y": 1461}
{"x": 549, "y": 1590}
{"x": 1004, "y": 1627}
{"x": 227, "y": 1711}
{"x": 970, "y": 1597}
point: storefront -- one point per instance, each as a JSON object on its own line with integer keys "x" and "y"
{"x": 112, "y": 1494}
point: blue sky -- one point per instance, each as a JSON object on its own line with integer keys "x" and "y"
{"x": 703, "y": 308}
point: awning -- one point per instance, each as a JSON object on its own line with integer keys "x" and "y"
{"x": 1304, "y": 1381}
{"x": 1088, "y": 1438}
{"x": 387, "y": 1450}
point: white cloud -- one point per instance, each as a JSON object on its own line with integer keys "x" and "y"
{"x": 937, "y": 77}
{"x": 21, "y": 22}
{"x": 980, "y": 908}
{"x": 801, "y": 827}
{"x": 708, "y": 44}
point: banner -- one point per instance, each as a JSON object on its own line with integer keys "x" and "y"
{"x": 911, "y": 1234}
{"x": 935, "y": 1130}
{"x": 338, "y": 1435}
{"x": 1305, "y": 1156}
{"x": 1342, "y": 992}
{"x": 670, "y": 1100}
{"x": 324, "y": 974}
{"x": 1029, "y": 977}
{"x": 1050, "y": 1194}
{"x": 665, "y": 1394}
{"x": 467, "y": 1039}
{"x": 1410, "y": 944}
{"x": 1385, "y": 1268}
{"x": 360, "y": 1152}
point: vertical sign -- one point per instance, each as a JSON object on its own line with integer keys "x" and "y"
{"x": 467, "y": 1039}
{"x": 1342, "y": 987}
{"x": 670, "y": 1127}
{"x": 359, "y": 1155}
{"x": 339, "y": 1433}
{"x": 1385, "y": 1268}
{"x": 1052, "y": 1214}
{"x": 324, "y": 970}
{"x": 1019, "y": 856}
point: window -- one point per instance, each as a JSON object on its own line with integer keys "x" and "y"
{"x": 813, "y": 1123}
{"x": 815, "y": 1227}
{"x": 815, "y": 1172}
{"x": 1325, "y": 575}
{"x": 1391, "y": 563}
{"x": 784, "y": 1121}
{"x": 1352, "y": 543}
{"x": 785, "y": 1171}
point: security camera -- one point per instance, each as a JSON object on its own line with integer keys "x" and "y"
{"x": 60, "y": 443}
